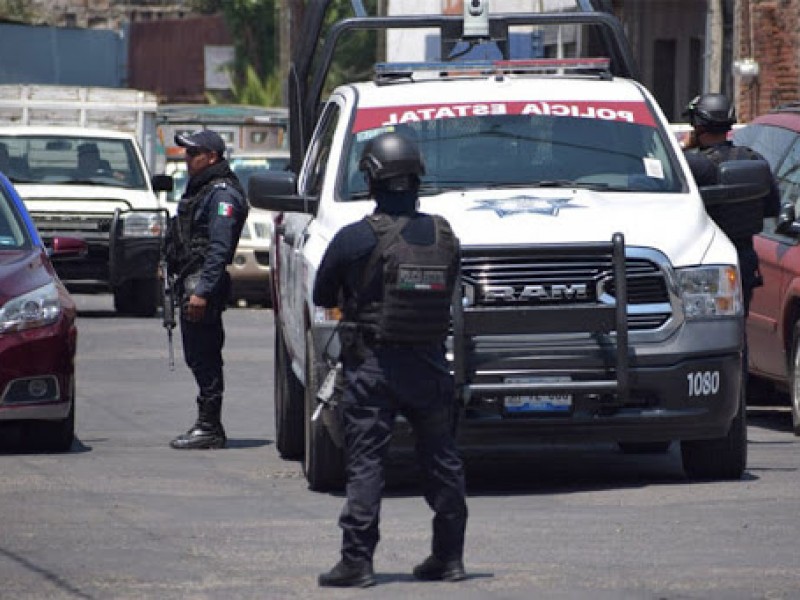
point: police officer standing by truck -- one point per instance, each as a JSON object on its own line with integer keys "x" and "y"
{"x": 712, "y": 116}
{"x": 393, "y": 274}
{"x": 200, "y": 243}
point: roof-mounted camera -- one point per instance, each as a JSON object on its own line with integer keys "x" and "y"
{"x": 476, "y": 19}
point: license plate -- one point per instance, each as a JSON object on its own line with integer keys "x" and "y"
{"x": 549, "y": 402}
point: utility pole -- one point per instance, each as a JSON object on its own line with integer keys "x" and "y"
{"x": 285, "y": 19}
{"x": 714, "y": 37}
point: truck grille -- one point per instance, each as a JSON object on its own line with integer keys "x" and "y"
{"x": 530, "y": 277}
{"x": 48, "y": 223}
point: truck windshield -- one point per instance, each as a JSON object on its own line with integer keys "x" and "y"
{"x": 626, "y": 153}
{"x": 71, "y": 160}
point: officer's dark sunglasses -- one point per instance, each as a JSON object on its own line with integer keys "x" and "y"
{"x": 194, "y": 151}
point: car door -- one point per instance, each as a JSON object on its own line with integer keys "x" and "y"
{"x": 779, "y": 263}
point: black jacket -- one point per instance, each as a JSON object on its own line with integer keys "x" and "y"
{"x": 340, "y": 271}
{"x": 218, "y": 216}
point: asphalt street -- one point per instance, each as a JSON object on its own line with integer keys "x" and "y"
{"x": 123, "y": 516}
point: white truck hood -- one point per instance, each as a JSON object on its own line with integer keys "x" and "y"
{"x": 553, "y": 216}
{"x": 93, "y": 198}
{"x": 676, "y": 224}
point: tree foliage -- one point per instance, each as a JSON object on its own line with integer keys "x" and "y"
{"x": 18, "y": 10}
{"x": 253, "y": 25}
{"x": 253, "y": 28}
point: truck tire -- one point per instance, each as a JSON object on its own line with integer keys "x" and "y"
{"x": 323, "y": 462}
{"x": 138, "y": 297}
{"x": 794, "y": 390}
{"x": 289, "y": 403}
{"x": 722, "y": 458}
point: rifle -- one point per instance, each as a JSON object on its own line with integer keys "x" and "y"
{"x": 168, "y": 306}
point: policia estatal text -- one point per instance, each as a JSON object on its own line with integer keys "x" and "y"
{"x": 394, "y": 272}
{"x": 200, "y": 243}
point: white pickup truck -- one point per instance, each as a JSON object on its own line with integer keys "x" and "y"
{"x": 79, "y": 158}
{"x": 598, "y": 300}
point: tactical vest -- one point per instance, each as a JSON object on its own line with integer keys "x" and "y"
{"x": 739, "y": 220}
{"x": 418, "y": 283}
{"x": 186, "y": 246}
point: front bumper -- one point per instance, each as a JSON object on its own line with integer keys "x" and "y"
{"x": 126, "y": 259}
{"x": 250, "y": 273}
{"x": 36, "y": 372}
{"x": 686, "y": 387}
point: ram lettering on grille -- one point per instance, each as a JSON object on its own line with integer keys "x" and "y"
{"x": 507, "y": 293}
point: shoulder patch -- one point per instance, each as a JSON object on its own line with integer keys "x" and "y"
{"x": 225, "y": 209}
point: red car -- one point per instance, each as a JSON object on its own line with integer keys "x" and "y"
{"x": 773, "y": 327}
{"x": 37, "y": 331}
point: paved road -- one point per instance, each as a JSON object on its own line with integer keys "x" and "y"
{"x": 124, "y": 516}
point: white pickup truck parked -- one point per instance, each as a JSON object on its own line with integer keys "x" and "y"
{"x": 79, "y": 159}
{"x": 598, "y": 300}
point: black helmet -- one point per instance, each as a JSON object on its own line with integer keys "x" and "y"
{"x": 712, "y": 111}
{"x": 393, "y": 160}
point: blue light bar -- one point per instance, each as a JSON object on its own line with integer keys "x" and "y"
{"x": 488, "y": 67}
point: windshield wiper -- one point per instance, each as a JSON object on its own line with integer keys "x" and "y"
{"x": 430, "y": 189}
{"x": 602, "y": 187}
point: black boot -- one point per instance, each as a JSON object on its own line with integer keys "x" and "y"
{"x": 434, "y": 569}
{"x": 207, "y": 433}
{"x": 348, "y": 574}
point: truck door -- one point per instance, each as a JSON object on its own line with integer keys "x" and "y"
{"x": 312, "y": 176}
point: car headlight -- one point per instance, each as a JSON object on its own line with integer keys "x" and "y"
{"x": 35, "y": 309}
{"x": 708, "y": 292}
{"x": 142, "y": 224}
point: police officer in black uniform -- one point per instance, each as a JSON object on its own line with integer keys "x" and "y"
{"x": 712, "y": 117}
{"x": 200, "y": 242}
{"x": 395, "y": 323}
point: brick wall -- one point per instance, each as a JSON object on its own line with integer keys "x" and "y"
{"x": 769, "y": 33}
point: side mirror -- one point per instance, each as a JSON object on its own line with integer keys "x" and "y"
{"x": 736, "y": 203}
{"x": 739, "y": 181}
{"x": 787, "y": 220}
{"x": 163, "y": 183}
{"x": 277, "y": 191}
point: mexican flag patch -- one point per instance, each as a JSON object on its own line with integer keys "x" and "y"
{"x": 225, "y": 209}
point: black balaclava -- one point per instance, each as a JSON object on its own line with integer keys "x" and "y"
{"x": 396, "y": 203}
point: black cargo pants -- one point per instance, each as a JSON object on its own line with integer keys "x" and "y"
{"x": 414, "y": 381}
{"x": 202, "y": 349}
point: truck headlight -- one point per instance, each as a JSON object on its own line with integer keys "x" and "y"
{"x": 37, "y": 308}
{"x": 142, "y": 224}
{"x": 708, "y": 292}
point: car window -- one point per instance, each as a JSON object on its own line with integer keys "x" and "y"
{"x": 246, "y": 167}
{"x": 320, "y": 152}
{"x": 788, "y": 175}
{"x": 771, "y": 142}
{"x": 13, "y": 233}
{"x": 621, "y": 153}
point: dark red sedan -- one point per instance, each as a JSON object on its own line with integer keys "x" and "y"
{"x": 37, "y": 331}
{"x": 773, "y": 327}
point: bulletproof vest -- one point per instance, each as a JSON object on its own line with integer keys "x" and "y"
{"x": 418, "y": 282}
{"x": 187, "y": 244}
{"x": 739, "y": 220}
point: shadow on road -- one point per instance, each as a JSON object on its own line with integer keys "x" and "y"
{"x": 774, "y": 417}
{"x": 247, "y": 443}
